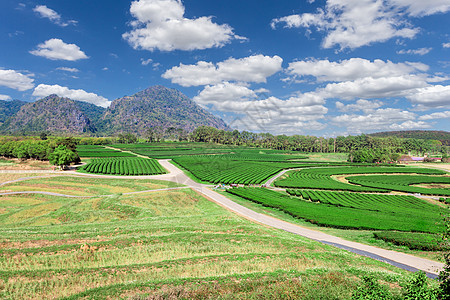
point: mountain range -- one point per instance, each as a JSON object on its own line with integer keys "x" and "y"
{"x": 156, "y": 106}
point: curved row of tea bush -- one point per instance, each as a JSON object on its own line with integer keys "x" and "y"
{"x": 374, "y": 202}
{"x": 413, "y": 240}
{"x": 124, "y": 166}
{"x": 100, "y": 151}
{"x": 320, "y": 178}
{"x": 226, "y": 169}
{"x": 403, "y": 183}
{"x": 404, "y": 218}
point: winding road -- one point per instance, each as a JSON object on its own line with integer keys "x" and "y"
{"x": 402, "y": 260}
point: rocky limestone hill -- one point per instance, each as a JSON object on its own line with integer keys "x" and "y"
{"x": 54, "y": 114}
{"x": 153, "y": 107}
{"x": 9, "y": 108}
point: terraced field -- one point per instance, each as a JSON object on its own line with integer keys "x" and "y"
{"x": 399, "y": 213}
{"x": 404, "y": 183}
{"x": 124, "y": 166}
{"x": 88, "y": 151}
{"x": 159, "y": 244}
{"x": 321, "y": 178}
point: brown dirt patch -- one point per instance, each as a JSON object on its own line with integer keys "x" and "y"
{"x": 433, "y": 186}
{"x": 29, "y": 164}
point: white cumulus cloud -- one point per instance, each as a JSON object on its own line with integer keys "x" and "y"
{"x": 4, "y": 97}
{"x": 43, "y": 90}
{"x": 368, "y": 87}
{"x": 56, "y": 49}
{"x": 16, "y": 80}
{"x": 293, "y": 115}
{"x": 353, "y": 23}
{"x": 381, "y": 119}
{"x": 254, "y": 68}
{"x": 360, "y": 105}
{"x": 352, "y": 69}
{"x": 53, "y": 16}
{"x": 160, "y": 24}
{"x": 431, "y": 96}
{"x": 436, "y": 115}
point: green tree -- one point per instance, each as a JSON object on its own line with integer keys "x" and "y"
{"x": 63, "y": 157}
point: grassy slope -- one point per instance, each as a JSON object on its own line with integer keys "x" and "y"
{"x": 162, "y": 243}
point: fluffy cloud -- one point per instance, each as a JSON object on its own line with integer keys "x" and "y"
{"x": 436, "y": 115}
{"x": 369, "y": 87}
{"x": 431, "y": 96}
{"x": 15, "y": 80}
{"x": 4, "y": 97}
{"x": 361, "y": 105}
{"x": 56, "y": 49}
{"x": 254, "y": 68}
{"x": 43, "y": 90}
{"x": 160, "y": 24}
{"x": 420, "y": 51}
{"x": 353, "y": 23}
{"x": 352, "y": 69}
{"x": 45, "y": 12}
{"x": 446, "y": 45}
{"x": 381, "y": 119}
{"x": 269, "y": 114}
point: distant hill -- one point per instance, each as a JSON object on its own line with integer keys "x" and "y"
{"x": 54, "y": 114}
{"x": 443, "y": 136}
{"x": 156, "y": 106}
{"x": 9, "y": 108}
{"x": 152, "y": 107}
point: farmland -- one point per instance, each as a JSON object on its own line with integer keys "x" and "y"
{"x": 133, "y": 237}
{"x": 124, "y": 166}
{"x": 419, "y": 216}
{"x": 88, "y": 151}
{"x": 321, "y": 178}
{"x": 159, "y": 243}
{"x": 404, "y": 183}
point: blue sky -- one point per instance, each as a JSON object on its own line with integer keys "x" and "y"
{"x": 322, "y": 68}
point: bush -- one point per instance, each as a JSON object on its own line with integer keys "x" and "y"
{"x": 371, "y": 289}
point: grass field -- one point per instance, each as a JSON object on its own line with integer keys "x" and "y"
{"x": 161, "y": 244}
{"x": 85, "y": 186}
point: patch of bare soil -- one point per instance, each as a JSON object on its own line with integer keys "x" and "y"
{"x": 29, "y": 164}
{"x": 433, "y": 186}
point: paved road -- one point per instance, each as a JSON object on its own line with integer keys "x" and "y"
{"x": 402, "y": 260}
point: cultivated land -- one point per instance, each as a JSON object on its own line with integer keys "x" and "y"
{"x": 90, "y": 235}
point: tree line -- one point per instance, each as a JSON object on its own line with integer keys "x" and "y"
{"x": 342, "y": 144}
{"x": 58, "y": 151}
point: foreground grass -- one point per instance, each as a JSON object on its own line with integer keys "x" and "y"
{"x": 85, "y": 186}
{"x": 163, "y": 244}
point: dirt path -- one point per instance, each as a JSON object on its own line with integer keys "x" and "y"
{"x": 401, "y": 260}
